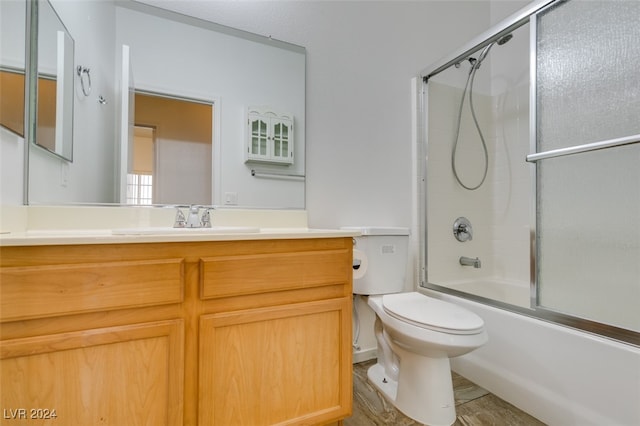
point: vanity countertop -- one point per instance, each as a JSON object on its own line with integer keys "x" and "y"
{"x": 106, "y": 236}
{"x": 69, "y": 225}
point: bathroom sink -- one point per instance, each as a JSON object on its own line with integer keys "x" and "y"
{"x": 167, "y": 230}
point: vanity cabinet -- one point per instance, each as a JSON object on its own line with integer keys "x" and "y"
{"x": 283, "y": 353}
{"x": 252, "y": 332}
{"x": 91, "y": 335}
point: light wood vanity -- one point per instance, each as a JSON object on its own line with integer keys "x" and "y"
{"x": 225, "y": 332}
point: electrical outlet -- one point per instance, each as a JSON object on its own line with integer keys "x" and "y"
{"x": 231, "y": 198}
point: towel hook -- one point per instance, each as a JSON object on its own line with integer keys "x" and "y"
{"x": 81, "y": 71}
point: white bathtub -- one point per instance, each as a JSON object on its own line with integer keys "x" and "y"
{"x": 559, "y": 375}
{"x": 514, "y": 293}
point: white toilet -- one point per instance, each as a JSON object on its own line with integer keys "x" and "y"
{"x": 416, "y": 334}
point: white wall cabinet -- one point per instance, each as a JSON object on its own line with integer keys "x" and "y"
{"x": 269, "y": 136}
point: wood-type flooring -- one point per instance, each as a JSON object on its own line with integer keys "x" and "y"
{"x": 474, "y": 405}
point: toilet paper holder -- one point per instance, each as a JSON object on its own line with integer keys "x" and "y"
{"x": 360, "y": 264}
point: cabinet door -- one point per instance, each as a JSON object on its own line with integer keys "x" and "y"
{"x": 126, "y": 375}
{"x": 279, "y": 365}
{"x": 259, "y": 137}
{"x": 282, "y": 140}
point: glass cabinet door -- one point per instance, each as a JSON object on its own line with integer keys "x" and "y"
{"x": 281, "y": 139}
{"x": 259, "y": 137}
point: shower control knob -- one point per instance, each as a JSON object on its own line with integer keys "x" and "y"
{"x": 462, "y": 229}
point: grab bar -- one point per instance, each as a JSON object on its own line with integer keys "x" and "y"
{"x": 627, "y": 140}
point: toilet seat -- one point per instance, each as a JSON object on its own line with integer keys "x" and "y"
{"x": 433, "y": 314}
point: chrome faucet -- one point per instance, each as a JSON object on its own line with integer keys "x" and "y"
{"x": 469, "y": 261}
{"x": 193, "y": 219}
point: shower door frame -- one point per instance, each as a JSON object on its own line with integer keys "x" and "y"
{"x": 527, "y": 15}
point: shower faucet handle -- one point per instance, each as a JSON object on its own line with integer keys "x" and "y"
{"x": 462, "y": 229}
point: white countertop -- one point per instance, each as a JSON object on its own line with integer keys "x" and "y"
{"x": 67, "y": 225}
{"x": 105, "y": 236}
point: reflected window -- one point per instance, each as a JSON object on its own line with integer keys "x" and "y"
{"x": 139, "y": 189}
{"x": 140, "y": 177}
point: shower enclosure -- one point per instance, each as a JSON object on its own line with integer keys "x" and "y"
{"x": 531, "y": 167}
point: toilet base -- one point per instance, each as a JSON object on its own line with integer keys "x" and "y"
{"x": 424, "y": 391}
{"x": 382, "y": 382}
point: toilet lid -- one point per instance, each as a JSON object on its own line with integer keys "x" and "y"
{"x": 434, "y": 314}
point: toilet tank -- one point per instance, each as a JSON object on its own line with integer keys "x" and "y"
{"x": 386, "y": 254}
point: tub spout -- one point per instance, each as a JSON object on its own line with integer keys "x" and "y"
{"x": 468, "y": 261}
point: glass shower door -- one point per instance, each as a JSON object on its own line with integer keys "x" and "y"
{"x": 588, "y": 161}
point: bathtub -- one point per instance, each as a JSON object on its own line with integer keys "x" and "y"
{"x": 559, "y": 375}
{"x": 512, "y": 292}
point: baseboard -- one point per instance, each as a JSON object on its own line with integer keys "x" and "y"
{"x": 364, "y": 355}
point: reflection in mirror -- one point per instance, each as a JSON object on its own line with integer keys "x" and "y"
{"x": 12, "y": 99}
{"x": 186, "y": 57}
{"x": 12, "y": 50}
{"x": 54, "y": 122}
{"x": 172, "y": 148}
{"x": 13, "y": 38}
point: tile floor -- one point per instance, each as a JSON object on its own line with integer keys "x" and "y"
{"x": 474, "y": 405}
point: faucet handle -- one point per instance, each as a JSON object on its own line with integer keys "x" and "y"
{"x": 180, "y": 220}
{"x": 462, "y": 229}
{"x": 206, "y": 217}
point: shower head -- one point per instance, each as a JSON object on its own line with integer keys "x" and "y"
{"x": 502, "y": 40}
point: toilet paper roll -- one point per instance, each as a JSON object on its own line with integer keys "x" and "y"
{"x": 360, "y": 264}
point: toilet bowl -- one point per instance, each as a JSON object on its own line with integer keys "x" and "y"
{"x": 416, "y": 334}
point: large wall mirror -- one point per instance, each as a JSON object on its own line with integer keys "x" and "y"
{"x": 138, "y": 54}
